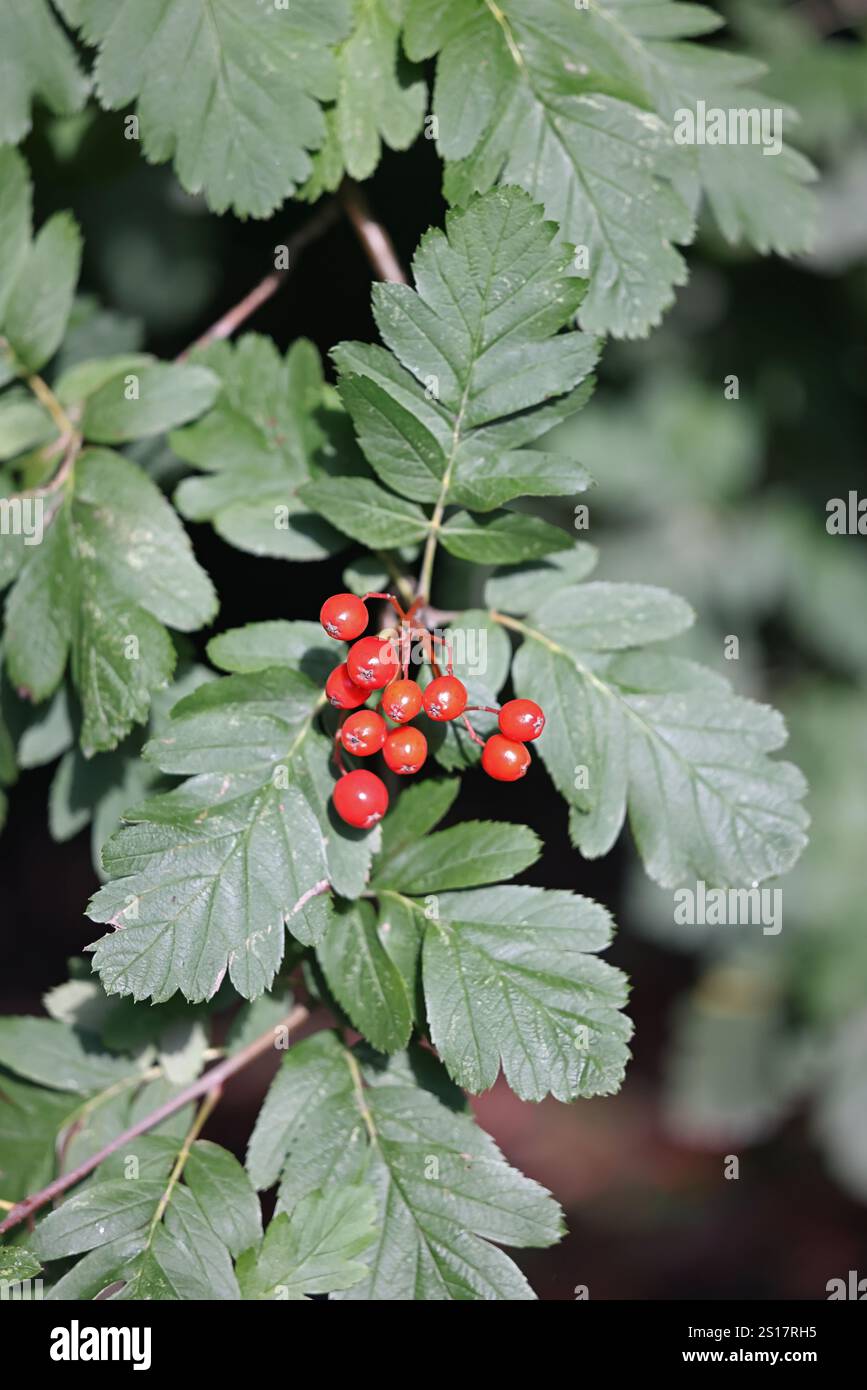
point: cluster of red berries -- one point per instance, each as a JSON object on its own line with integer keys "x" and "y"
{"x": 374, "y": 663}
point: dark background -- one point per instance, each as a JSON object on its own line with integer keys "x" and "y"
{"x": 738, "y": 1051}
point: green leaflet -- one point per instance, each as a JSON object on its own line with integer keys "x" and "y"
{"x": 419, "y": 808}
{"x": 146, "y": 400}
{"x": 443, "y": 1190}
{"x": 114, "y": 566}
{"x": 364, "y": 979}
{"x": 518, "y": 588}
{"x": 258, "y": 444}
{"x": 380, "y": 98}
{"x": 502, "y": 538}
{"x": 38, "y": 275}
{"x": 302, "y": 646}
{"x": 594, "y": 137}
{"x": 17, "y": 1264}
{"x": 206, "y": 877}
{"x": 471, "y": 853}
{"x": 315, "y": 1249}
{"x": 366, "y": 512}
{"x": 655, "y": 735}
{"x": 30, "y": 1119}
{"x": 48, "y": 1052}
{"x": 232, "y": 95}
{"x": 39, "y": 63}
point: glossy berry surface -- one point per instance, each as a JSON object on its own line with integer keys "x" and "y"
{"x": 344, "y": 617}
{"x": 405, "y": 750}
{"x": 363, "y": 733}
{"x": 504, "y": 760}
{"x": 401, "y": 701}
{"x": 372, "y": 663}
{"x": 360, "y": 799}
{"x": 445, "y": 698}
{"x": 521, "y": 720}
{"x": 342, "y": 691}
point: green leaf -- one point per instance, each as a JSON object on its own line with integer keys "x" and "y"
{"x": 17, "y": 1264}
{"x": 469, "y": 854}
{"x": 301, "y": 646}
{"x": 30, "y": 1119}
{"x": 380, "y": 98}
{"x": 418, "y": 809}
{"x": 259, "y": 443}
{"x": 49, "y": 1052}
{"x": 114, "y": 566}
{"x": 39, "y": 63}
{"x": 97, "y": 1215}
{"x": 502, "y": 537}
{"x": 477, "y": 369}
{"x": 208, "y": 876}
{"x": 363, "y": 978}
{"x": 24, "y": 423}
{"x": 41, "y": 298}
{"x": 510, "y": 980}
{"x": 86, "y": 376}
{"x": 518, "y": 588}
{"x": 659, "y": 737}
{"x": 16, "y": 212}
{"x": 231, "y": 95}
{"x": 480, "y": 649}
{"x": 225, "y": 1196}
{"x": 612, "y": 617}
{"x": 594, "y": 138}
{"x": 443, "y": 1190}
{"x": 147, "y": 401}
{"x": 314, "y": 1250}
{"x": 367, "y": 513}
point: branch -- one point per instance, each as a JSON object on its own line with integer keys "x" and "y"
{"x": 208, "y": 1084}
{"x": 267, "y": 288}
{"x": 376, "y": 241}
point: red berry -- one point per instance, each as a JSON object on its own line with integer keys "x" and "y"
{"x": 363, "y": 733}
{"x": 504, "y": 760}
{"x": 401, "y": 701}
{"x": 343, "y": 692}
{"x": 344, "y": 617}
{"x": 445, "y": 698}
{"x": 372, "y": 663}
{"x": 405, "y": 750}
{"x": 521, "y": 720}
{"x": 361, "y": 799}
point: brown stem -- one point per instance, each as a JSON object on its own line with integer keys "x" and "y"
{"x": 210, "y": 1082}
{"x": 267, "y": 288}
{"x": 376, "y": 241}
